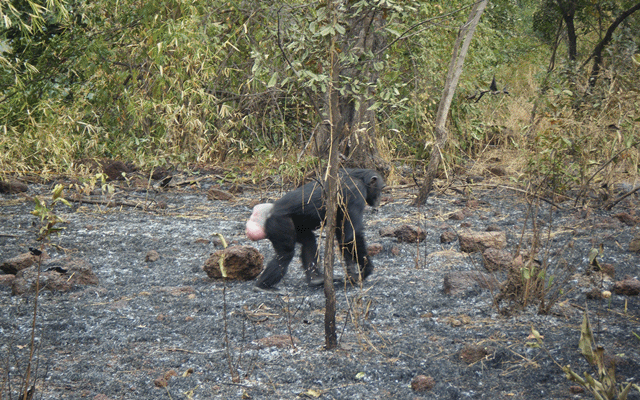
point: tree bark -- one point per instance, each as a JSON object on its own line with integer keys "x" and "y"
{"x": 335, "y": 124}
{"x": 596, "y": 55}
{"x": 453, "y": 76}
{"x": 568, "y": 10}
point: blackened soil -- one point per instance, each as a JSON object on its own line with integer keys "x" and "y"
{"x": 164, "y": 330}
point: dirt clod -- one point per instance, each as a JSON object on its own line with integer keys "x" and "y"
{"x": 421, "y": 383}
{"x": 239, "y": 262}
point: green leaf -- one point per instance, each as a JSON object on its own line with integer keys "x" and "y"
{"x": 593, "y": 253}
{"x": 586, "y": 340}
{"x": 327, "y": 30}
{"x": 273, "y": 80}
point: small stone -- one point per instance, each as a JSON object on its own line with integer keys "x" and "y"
{"x": 475, "y": 179}
{"x": 161, "y": 382}
{"x": 240, "y": 262}
{"x": 217, "y": 194}
{"x": 20, "y": 262}
{"x": 634, "y": 245}
{"x": 374, "y": 249}
{"x": 152, "y": 256}
{"x": 13, "y": 186}
{"x": 421, "y": 383}
{"x": 59, "y": 275}
{"x": 626, "y": 218}
{"x": 462, "y": 283}
{"x": 498, "y": 171}
{"x": 7, "y": 280}
{"x": 495, "y": 259}
{"x": 405, "y": 233}
{"x": 575, "y": 389}
{"x": 472, "y": 241}
{"x": 448, "y": 237}
{"x": 473, "y": 353}
{"x": 115, "y": 170}
{"x": 627, "y": 287}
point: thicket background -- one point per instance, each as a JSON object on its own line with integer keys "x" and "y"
{"x": 168, "y": 82}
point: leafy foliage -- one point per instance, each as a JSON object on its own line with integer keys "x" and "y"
{"x": 164, "y": 81}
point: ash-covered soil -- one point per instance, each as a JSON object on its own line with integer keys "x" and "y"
{"x": 164, "y": 330}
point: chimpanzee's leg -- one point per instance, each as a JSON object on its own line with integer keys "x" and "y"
{"x": 310, "y": 260}
{"x": 282, "y": 234}
{"x": 354, "y": 249}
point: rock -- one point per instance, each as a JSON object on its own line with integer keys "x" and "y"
{"x": 459, "y": 283}
{"x": 495, "y": 259}
{"x": 474, "y": 179}
{"x": 421, "y": 383}
{"x": 60, "y": 274}
{"x": 160, "y": 173}
{"x": 218, "y": 194}
{"x": 498, "y": 170}
{"x": 374, "y": 248}
{"x": 575, "y": 389}
{"x": 626, "y": 218}
{"x": 634, "y": 244}
{"x": 240, "y": 262}
{"x": 152, "y": 256}
{"x": 7, "y": 280}
{"x": 609, "y": 270}
{"x": 472, "y": 241}
{"x": 13, "y": 186}
{"x": 115, "y": 170}
{"x": 20, "y": 262}
{"x": 163, "y": 381}
{"x": 405, "y": 233}
{"x": 459, "y": 320}
{"x": 627, "y": 287}
{"x": 448, "y": 236}
{"x": 473, "y": 353}
{"x": 457, "y": 216}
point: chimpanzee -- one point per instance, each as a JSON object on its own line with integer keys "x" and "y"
{"x": 295, "y": 216}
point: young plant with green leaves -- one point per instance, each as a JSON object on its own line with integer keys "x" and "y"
{"x": 48, "y": 226}
{"x": 602, "y": 384}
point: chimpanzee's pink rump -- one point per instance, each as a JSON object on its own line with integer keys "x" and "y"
{"x": 255, "y": 224}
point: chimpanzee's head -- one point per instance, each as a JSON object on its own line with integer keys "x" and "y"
{"x": 375, "y": 184}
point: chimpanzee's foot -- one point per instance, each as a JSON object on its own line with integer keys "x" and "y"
{"x": 319, "y": 281}
{"x": 316, "y": 280}
{"x": 273, "y": 290}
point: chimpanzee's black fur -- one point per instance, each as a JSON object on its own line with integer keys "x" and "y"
{"x": 296, "y": 215}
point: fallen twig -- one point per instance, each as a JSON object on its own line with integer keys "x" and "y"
{"x": 619, "y": 199}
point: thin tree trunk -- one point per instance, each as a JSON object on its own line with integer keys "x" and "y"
{"x": 597, "y": 51}
{"x": 453, "y": 76}
{"x": 333, "y": 120}
{"x": 568, "y": 10}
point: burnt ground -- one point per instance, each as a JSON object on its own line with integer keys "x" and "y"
{"x": 148, "y": 320}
